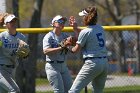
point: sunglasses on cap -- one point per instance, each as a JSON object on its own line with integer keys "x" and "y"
{"x": 60, "y": 21}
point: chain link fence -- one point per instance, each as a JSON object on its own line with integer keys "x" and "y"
{"x": 123, "y": 71}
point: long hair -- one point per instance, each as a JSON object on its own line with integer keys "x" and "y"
{"x": 91, "y": 17}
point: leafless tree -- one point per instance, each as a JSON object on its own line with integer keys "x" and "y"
{"x": 33, "y": 41}
{"x": 26, "y": 71}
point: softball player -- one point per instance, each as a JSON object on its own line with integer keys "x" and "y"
{"x": 8, "y": 60}
{"x": 91, "y": 41}
{"x": 56, "y": 69}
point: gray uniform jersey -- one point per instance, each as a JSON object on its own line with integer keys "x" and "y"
{"x": 92, "y": 42}
{"x": 51, "y": 41}
{"x": 57, "y": 73}
{"x": 9, "y": 47}
{"x": 8, "y": 60}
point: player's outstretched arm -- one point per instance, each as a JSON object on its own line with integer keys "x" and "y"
{"x": 73, "y": 23}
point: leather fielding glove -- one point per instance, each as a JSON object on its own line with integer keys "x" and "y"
{"x": 23, "y": 50}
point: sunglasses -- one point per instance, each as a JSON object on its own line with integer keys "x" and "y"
{"x": 60, "y": 21}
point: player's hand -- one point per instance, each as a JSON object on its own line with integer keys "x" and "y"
{"x": 64, "y": 43}
{"x": 71, "y": 41}
{"x": 72, "y": 22}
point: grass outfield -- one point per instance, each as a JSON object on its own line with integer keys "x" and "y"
{"x": 124, "y": 89}
{"x": 41, "y": 81}
{"x": 53, "y": 92}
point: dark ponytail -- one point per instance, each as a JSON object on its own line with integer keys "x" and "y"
{"x": 91, "y": 17}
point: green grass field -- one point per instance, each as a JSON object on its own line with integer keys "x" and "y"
{"x": 125, "y": 89}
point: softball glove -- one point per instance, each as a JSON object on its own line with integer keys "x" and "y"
{"x": 70, "y": 41}
{"x": 23, "y": 50}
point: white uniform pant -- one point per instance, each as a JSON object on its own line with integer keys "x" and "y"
{"x": 7, "y": 83}
{"x": 59, "y": 77}
{"x": 94, "y": 71}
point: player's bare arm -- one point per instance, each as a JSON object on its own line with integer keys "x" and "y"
{"x": 76, "y": 48}
{"x": 73, "y": 23}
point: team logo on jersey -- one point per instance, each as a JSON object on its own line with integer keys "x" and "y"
{"x": 5, "y": 40}
{"x": 53, "y": 43}
{"x": 8, "y": 44}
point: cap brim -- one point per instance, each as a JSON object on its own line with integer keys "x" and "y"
{"x": 15, "y": 18}
{"x": 81, "y": 14}
{"x": 10, "y": 18}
